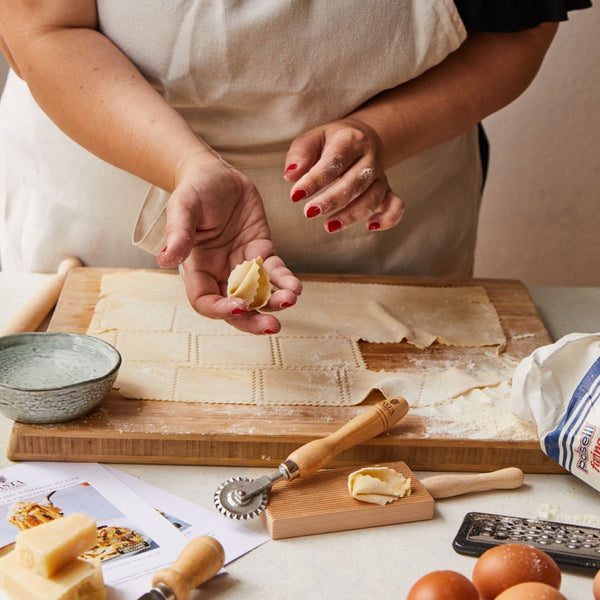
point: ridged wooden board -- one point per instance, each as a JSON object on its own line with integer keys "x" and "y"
{"x": 320, "y": 503}
{"x": 150, "y": 431}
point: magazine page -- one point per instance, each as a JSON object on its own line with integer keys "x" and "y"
{"x": 193, "y": 520}
{"x": 134, "y": 540}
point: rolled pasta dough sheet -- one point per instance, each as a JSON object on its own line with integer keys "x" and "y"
{"x": 172, "y": 353}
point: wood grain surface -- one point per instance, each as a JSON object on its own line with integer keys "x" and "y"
{"x": 161, "y": 432}
{"x": 321, "y": 503}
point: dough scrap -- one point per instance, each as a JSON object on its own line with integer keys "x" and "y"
{"x": 250, "y": 282}
{"x": 378, "y": 485}
{"x": 386, "y": 313}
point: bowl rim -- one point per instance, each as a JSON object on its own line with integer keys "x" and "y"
{"x": 49, "y": 334}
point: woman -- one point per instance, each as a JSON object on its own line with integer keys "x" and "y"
{"x": 369, "y": 110}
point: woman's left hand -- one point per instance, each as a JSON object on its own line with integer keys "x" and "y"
{"x": 338, "y": 167}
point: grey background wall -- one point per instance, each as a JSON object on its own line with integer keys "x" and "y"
{"x": 540, "y": 218}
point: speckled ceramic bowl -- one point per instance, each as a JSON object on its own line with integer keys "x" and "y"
{"x": 54, "y": 377}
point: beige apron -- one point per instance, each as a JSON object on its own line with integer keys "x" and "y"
{"x": 248, "y": 76}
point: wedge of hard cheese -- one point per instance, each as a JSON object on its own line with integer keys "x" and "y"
{"x": 48, "y": 548}
{"x": 79, "y": 580}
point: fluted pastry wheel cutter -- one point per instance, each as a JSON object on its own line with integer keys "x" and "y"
{"x": 244, "y": 498}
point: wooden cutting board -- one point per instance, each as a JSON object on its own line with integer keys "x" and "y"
{"x": 150, "y": 431}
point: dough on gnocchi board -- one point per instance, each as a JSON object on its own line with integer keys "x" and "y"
{"x": 172, "y": 353}
{"x": 378, "y": 485}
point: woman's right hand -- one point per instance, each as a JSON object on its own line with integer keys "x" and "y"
{"x": 216, "y": 220}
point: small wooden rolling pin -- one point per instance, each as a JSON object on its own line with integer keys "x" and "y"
{"x": 446, "y": 486}
{"x": 202, "y": 558}
{"x": 39, "y": 306}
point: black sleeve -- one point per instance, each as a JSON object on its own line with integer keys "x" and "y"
{"x": 514, "y": 15}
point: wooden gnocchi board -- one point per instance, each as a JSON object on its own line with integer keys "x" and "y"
{"x": 160, "y": 432}
{"x": 321, "y": 503}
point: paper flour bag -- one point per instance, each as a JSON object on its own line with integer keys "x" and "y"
{"x": 557, "y": 388}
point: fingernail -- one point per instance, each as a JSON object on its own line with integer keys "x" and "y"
{"x": 333, "y": 226}
{"x": 285, "y": 304}
{"x": 291, "y": 167}
{"x": 313, "y": 211}
{"x": 269, "y": 332}
{"x": 162, "y": 251}
{"x": 373, "y": 226}
{"x": 237, "y": 311}
{"x": 298, "y": 195}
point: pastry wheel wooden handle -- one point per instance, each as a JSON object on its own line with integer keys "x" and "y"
{"x": 39, "y": 306}
{"x": 455, "y": 484}
{"x": 202, "y": 558}
{"x": 375, "y": 419}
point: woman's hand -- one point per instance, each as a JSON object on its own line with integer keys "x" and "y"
{"x": 97, "y": 96}
{"x": 344, "y": 160}
{"x": 339, "y": 168}
{"x": 216, "y": 220}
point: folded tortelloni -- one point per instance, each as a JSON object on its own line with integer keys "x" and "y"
{"x": 250, "y": 282}
{"x": 378, "y": 485}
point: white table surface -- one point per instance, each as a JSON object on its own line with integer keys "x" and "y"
{"x": 381, "y": 562}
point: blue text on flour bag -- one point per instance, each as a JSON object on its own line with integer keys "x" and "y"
{"x": 558, "y": 388}
{"x": 574, "y": 443}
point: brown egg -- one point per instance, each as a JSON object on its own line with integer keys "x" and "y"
{"x": 597, "y": 586}
{"x": 503, "y": 566}
{"x": 531, "y": 590}
{"x": 443, "y": 585}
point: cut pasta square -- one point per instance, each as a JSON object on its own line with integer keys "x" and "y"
{"x": 300, "y": 351}
{"x": 146, "y": 380}
{"x": 309, "y": 387}
{"x": 227, "y": 386}
{"x": 154, "y": 346}
{"x": 243, "y": 350}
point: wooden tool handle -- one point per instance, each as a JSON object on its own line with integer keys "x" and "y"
{"x": 374, "y": 420}
{"x": 445, "y": 486}
{"x": 39, "y": 306}
{"x": 202, "y": 558}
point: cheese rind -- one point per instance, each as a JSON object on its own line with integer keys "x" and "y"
{"x": 79, "y": 580}
{"x": 48, "y": 548}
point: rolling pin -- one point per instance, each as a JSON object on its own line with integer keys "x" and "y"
{"x": 446, "y": 486}
{"x": 202, "y": 558}
{"x": 37, "y": 308}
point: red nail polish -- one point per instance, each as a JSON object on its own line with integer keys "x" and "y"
{"x": 237, "y": 311}
{"x": 373, "y": 226}
{"x": 163, "y": 251}
{"x": 285, "y": 304}
{"x": 313, "y": 211}
{"x": 269, "y": 332}
{"x": 298, "y": 195}
{"x": 333, "y": 226}
{"x": 291, "y": 167}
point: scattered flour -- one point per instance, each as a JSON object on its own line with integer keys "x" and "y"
{"x": 465, "y": 403}
{"x": 552, "y": 512}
